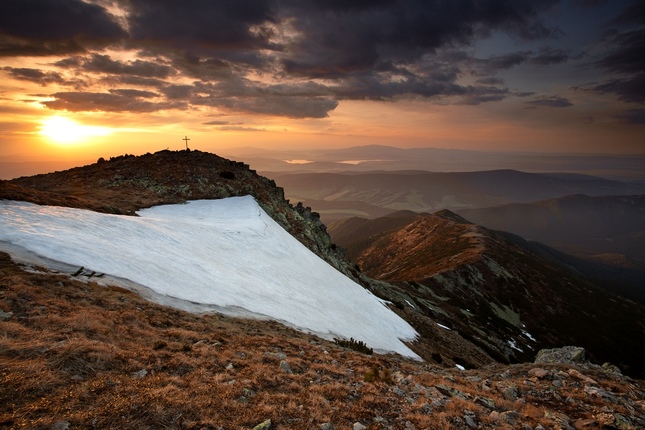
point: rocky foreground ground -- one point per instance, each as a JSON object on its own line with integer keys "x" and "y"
{"x": 77, "y": 355}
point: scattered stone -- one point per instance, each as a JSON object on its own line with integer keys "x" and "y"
{"x": 60, "y": 425}
{"x": 600, "y": 393}
{"x": 284, "y": 366}
{"x": 230, "y": 366}
{"x": 539, "y": 373}
{"x": 358, "y": 426}
{"x": 561, "y": 419}
{"x": 326, "y": 426}
{"x": 265, "y": 425}
{"x": 140, "y": 374}
{"x": 511, "y": 393}
{"x": 469, "y": 418}
{"x": 564, "y": 355}
{"x": 621, "y": 422}
{"x": 582, "y": 423}
{"x": 583, "y": 378}
{"x": 4, "y": 316}
{"x": 509, "y": 417}
{"x": 452, "y": 392}
{"x": 485, "y": 402}
{"x": 240, "y": 354}
{"x": 399, "y": 392}
{"x": 610, "y": 368}
{"x": 604, "y": 419}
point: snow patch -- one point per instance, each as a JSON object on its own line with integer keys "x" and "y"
{"x": 513, "y": 345}
{"x": 443, "y": 326}
{"x": 224, "y": 253}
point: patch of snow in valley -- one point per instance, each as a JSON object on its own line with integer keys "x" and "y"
{"x": 228, "y": 253}
{"x": 513, "y": 345}
{"x": 527, "y": 334}
{"x": 443, "y": 326}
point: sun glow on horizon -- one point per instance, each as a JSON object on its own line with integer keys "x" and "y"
{"x": 65, "y": 131}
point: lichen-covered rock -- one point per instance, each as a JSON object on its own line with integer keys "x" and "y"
{"x": 564, "y": 355}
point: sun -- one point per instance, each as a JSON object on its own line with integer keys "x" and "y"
{"x": 66, "y": 131}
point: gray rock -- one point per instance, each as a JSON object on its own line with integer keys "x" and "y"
{"x": 485, "y": 402}
{"x": 264, "y": 425}
{"x": 509, "y": 417}
{"x": 326, "y": 426}
{"x": 452, "y": 392}
{"x": 511, "y": 393}
{"x": 358, "y": 426}
{"x": 60, "y": 425}
{"x": 284, "y": 366}
{"x": 140, "y": 374}
{"x": 399, "y": 392}
{"x": 564, "y": 355}
{"x": 610, "y": 368}
{"x": 4, "y": 316}
{"x": 470, "y": 421}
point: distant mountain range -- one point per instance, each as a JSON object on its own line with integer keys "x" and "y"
{"x": 372, "y": 194}
{"x": 388, "y": 158}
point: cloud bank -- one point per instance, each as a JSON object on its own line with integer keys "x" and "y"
{"x": 294, "y": 58}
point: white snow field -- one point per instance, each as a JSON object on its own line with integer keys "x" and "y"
{"x": 227, "y": 253}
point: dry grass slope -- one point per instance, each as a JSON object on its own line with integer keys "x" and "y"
{"x": 77, "y": 355}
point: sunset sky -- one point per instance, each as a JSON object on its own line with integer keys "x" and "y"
{"x": 83, "y": 79}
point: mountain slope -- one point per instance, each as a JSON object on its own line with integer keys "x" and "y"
{"x": 505, "y": 299}
{"x": 77, "y": 355}
{"x": 125, "y": 184}
{"x": 223, "y": 255}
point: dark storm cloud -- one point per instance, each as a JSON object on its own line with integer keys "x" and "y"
{"x": 98, "y": 63}
{"x": 635, "y": 13}
{"x": 108, "y": 102}
{"x": 626, "y": 63}
{"x": 545, "y": 57}
{"x": 627, "y": 53}
{"x": 242, "y": 95}
{"x": 631, "y": 116}
{"x": 195, "y": 24}
{"x": 45, "y": 27}
{"x": 129, "y": 80}
{"x": 548, "y": 56}
{"x": 363, "y": 49}
{"x": 342, "y": 40}
{"x": 37, "y": 76}
{"x": 131, "y": 93}
{"x": 553, "y": 101}
{"x": 631, "y": 89}
{"x": 177, "y": 92}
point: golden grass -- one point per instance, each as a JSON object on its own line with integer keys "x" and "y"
{"x": 103, "y": 358}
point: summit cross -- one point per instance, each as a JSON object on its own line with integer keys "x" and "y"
{"x": 186, "y": 139}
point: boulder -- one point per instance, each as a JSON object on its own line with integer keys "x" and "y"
{"x": 564, "y": 355}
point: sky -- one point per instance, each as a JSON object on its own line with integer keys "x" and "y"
{"x": 244, "y": 261}
{"x": 81, "y": 79}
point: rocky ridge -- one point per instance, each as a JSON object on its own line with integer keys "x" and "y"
{"x": 506, "y": 300}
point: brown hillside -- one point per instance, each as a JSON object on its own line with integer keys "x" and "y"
{"x": 507, "y": 301}
{"x": 74, "y": 355}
